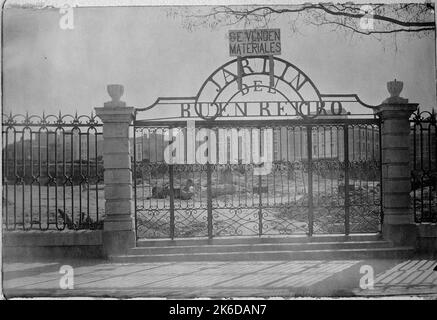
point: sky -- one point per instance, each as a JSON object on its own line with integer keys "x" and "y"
{"x": 47, "y": 68}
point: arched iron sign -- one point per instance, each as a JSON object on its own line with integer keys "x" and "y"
{"x": 255, "y": 76}
{"x": 264, "y": 76}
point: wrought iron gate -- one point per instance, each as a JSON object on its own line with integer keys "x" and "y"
{"x": 290, "y": 159}
{"x": 324, "y": 178}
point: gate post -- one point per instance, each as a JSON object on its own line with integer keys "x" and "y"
{"x": 398, "y": 223}
{"x": 118, "y": 225}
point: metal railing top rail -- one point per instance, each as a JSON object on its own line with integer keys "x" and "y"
{"x": 423, "y": 116}
{"x": 257, "y": 122}
{"x": 51, "y": 120}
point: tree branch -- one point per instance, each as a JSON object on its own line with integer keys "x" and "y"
{"x": 381, "y": 18}
{"x": 309, "y": 7}
{"x": 373, "y": 31}
{"x": 411, "y": 18}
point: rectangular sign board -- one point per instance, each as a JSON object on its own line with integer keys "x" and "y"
{"x": 254, "y": 42}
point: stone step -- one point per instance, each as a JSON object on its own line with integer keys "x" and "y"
{"x": 316, "y": 254}
{"x": 257, "y": 247}
{"x": 254, "y": 240}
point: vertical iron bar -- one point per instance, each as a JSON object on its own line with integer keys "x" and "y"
{"x": 380, "y": 173}
{"x": 49, "y": 177}
{"x": 172, "y": 220}
{"x": 80, "y": 175}
{"x": 271, "y": 71}
{"x": 56, "y": 176}
{"x": 429, "y": 171}
{"x": 149, "y": 176}
{"x": 260, "y": 212}
{"x": 72, "y": 175}
{"x": 421, "y": 171}
{"x": 96, "y": 172}
{"x": 434, "y": 218}
{"x": 277, "y": 146}
{"x": 209, "y": 198}
{"x": 30, "y": 176}
{"x": 5, "y": 176}
{"x": 39, "y": 175}
{"x": 88, "y": 174}
{"x": 239, "y": 73}
{"x": 310, "y": 180}
{"x": 16, "y": 179}
{"x": 346, "y": 180}
{"x": 414, "y": 170}
{"x": 64, "y": 173}
{"x": 134, "y": 176}
{"x": 23, "y": 174}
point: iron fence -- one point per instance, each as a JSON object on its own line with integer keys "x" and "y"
{"x": 52, "y": 172}
{"x": 325, "y": 178}
{"x": 424, "y": 166}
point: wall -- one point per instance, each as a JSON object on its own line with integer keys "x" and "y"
{"x": 19, "y": 245}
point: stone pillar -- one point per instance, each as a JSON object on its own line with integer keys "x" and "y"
{"x": 398, "y": 223}
{"x": 118, "y": 225}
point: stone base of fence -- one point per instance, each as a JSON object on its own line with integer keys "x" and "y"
{"x": 400, "y": 234}
{"x": 98, "y": 244}
{"x": 118, "y": 242}
{"x": 27, "y": 245}
{"x": 427, "y": 238}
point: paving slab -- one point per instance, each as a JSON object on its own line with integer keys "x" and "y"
{"x": 312, "y": 278}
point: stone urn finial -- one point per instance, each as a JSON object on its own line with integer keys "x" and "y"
{"x": 115, "y": 91}
{"x": 394, "y": 88}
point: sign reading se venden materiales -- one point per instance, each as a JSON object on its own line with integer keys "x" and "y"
{"x": 255, "y": 42}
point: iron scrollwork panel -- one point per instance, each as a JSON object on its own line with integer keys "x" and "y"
{"x": 423, "y": 142}
{"x": 52, "y": 172}
{"x": 231, "y": 200}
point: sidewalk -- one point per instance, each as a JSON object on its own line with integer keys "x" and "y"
{"x": 337, "y": 278}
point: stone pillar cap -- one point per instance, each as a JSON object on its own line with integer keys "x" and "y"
{"x": 115, "y": 111}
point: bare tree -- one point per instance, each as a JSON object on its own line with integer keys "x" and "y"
{"x": 412, "y": 18}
